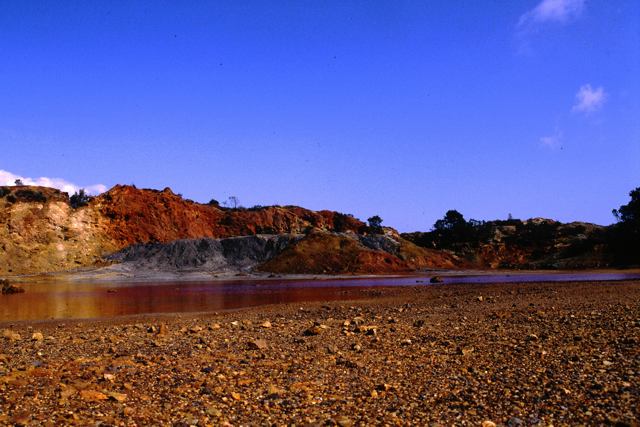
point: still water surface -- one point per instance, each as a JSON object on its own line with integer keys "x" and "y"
{"x": 60, "y": 300}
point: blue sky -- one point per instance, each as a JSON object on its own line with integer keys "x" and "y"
{"x": 402, "y": 109}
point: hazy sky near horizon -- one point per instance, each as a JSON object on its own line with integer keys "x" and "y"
{"x": 401, "y": 109}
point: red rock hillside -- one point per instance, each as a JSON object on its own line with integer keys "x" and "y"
{"x": 139, "y": 216}
{"x": 40, "y": 231}
{"x": 331, "y": 253}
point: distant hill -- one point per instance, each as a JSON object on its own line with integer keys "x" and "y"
{"x": 536, "y": 243}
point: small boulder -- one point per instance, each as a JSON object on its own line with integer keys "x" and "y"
{"x": 8, "y": 288}
{"x": 435, "y": 279}
{"x": 10, "y": 335}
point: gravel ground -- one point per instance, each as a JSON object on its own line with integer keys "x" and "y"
{"x": 509, "y": 354}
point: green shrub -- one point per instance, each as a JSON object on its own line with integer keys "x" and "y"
{"x": 79, "y": 198}
{"x": 30, "y": 196}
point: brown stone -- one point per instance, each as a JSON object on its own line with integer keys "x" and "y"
{"x": 258, "y": 344}
{"x": 92, "y": 396}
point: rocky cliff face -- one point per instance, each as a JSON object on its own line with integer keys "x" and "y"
{"x": 138, "y": 216}
{"x": 41, "y": 232}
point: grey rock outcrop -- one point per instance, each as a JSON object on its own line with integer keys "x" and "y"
{"x": 212, "y": 255}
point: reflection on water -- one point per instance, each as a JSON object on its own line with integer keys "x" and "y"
{"x": 72, "y": 300}
{"x": 89, "y": 300}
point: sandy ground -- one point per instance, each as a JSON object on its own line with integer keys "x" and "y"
{"x": 509, "y": 354}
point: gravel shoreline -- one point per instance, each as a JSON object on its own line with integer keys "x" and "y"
{"x": 509, "y": 354}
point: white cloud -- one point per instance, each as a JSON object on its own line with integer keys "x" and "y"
{"x": 8, "y": 178}
{"x": 558, "y": 11}
{"x": 589, "y": 99}
{"x": 552, "y": 141}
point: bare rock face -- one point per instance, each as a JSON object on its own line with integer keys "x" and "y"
{"x": 234, "y": 254}
{"x": 131, "y": 215}
{"x": 41, "y": 232}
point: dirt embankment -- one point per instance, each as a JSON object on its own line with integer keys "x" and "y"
{"x": 319, "y": 252}
{"x": 41, "y": 232}
{"x": 333, "y": 253}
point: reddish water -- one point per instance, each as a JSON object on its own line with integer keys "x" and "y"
{"x": 90, "y": 300}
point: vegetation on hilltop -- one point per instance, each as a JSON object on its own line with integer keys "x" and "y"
{"x": 625, "y": 234}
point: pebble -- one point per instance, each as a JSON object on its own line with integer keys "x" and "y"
{"x": 118, "y": 397}
{"x": 258, "y": 344}
{"x": 465, "y": 351}
{"x": 272, "y": 390}
{"x": 92, "y": 396}
{"x": 332, "y": 349}
{"x": 314, "y": 330}
{"x": 212, "y": 411}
